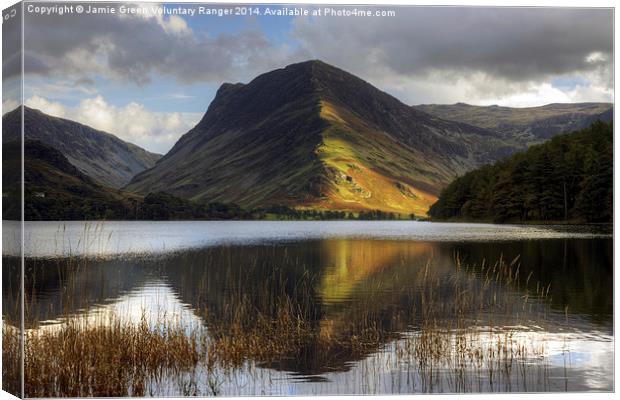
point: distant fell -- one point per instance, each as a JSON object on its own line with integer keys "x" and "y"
{"x": 527, "y": 125}
{"x": 100, "y": 155}
{"x": 312, "y": 136}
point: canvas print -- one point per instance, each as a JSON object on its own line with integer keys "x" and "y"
{"x": 266, "y": 199}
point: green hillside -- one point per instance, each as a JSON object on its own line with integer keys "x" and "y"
{"x": 314, "y": 137}
{"x": 569, "y": 178}
{"x": 54, "y": 189}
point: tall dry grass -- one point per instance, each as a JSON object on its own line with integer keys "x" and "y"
{"x": 113, "y": 359}
{"x": 11, "y": 358}
{"x": 447, "y": 336}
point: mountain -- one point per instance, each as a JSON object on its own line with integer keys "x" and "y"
{"x": 311, "y": 135}
{"x": 569, "y": 177}
{"x": 56, "y": 190}
{"x": 525, "y": 125}
{"x": 100, "y": 155}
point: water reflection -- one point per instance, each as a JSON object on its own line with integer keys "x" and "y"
{"x": 358, "y": 299}
{"x": 335, "y": 271}
{"x": 579, "y": 271}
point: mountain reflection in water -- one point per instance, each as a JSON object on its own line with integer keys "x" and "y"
{"x": 359, "y": 299}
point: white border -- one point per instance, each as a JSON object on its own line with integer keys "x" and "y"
{"x": 507, "y": 3}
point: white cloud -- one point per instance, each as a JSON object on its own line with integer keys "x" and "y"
{"x": 155, "y": 131}
{"x": 482, "y": 89}
{"x": 9, "y": 105}
{"x": 48, "y": 107}
{"x": 534, "y": 96}
{"x": 585, "y": 93}
{"x": 173, "y": 24}
{"x": 11, "y": 94}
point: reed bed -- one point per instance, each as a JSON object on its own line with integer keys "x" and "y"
{"x": 250, "y": 334}
{"x": 453, "y": 343}
{"x": 11, "y": 358}
{"x": 445, "y": 337}
{"x": 112, "y": 359}
{"x": 460, "y": 337}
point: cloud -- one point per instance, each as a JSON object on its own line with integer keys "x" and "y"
{"x": 11, "y": 95}
{"x": 476, "y": 52}
{"x": 511, "y": 43}
{"x": 61, "y": 89}
{"x": 481, "y": 89}
{"x": 155, "y": 131}
{"x": 137, "y": 47}
{"x": 424, "y": 54}
{"x": 11, "y": 42}
{"x": 9, "y": 105}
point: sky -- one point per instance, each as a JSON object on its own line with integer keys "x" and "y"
{"x": 149, "y": 78}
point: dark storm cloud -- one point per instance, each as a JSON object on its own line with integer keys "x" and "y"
{"x": 511, "y": 43}
{"x": 508, "y": 44}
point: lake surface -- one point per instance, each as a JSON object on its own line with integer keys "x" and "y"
{"x": 553, "y": 300}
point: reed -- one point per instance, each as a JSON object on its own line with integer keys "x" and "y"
{"x": 447, "y": 337}
{"x": 11, "y": 358}
{"x": 80, "y": 359}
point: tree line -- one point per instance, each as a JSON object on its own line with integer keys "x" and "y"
{"x": 162, "y": 206}
{"x": 568, "y": 178}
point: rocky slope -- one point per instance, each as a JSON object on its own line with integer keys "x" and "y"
{"x": 100, "y": 155}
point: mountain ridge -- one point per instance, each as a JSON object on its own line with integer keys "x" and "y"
{"x": 311, "y": 135}
{"x": 526, "y": 125}
{"x": 100, "y": 155}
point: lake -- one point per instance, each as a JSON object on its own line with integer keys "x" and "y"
{"x": 340, "y": 307}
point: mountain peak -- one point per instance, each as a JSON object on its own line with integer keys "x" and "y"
{"x": 312, "y": 71}
{"x": 311, "y": 64}
{"x": 300, "y": 84}
{"x": 17, "y": 111}
{"x": 312, "y": 80}
{"x": 230, "y": 86}
{"x": 315, "y": 136}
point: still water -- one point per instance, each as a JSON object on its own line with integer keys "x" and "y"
{"x": 347, "y": 278}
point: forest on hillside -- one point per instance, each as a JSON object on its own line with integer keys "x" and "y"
{"x": 568, "y": 178}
